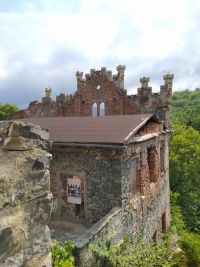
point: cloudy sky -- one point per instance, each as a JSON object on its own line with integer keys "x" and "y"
{"x": 44, "y": 42}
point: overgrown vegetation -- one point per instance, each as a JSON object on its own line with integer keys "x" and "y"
{"x": 180, "y": 247}
{"x": 62, "y": 254}
{"x": 130, "y": 254}
{"x": 6, "y": 110}
{"x": 188, "y": 241}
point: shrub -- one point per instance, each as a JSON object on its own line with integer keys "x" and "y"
{"x": 62, "y": 254}
{"x": 130, "y": 254}
{"x": 190, "y": 243}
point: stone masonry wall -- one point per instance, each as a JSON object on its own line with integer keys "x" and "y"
{"x": 100, "y": 170}
{"x": 134, "y": 220}
{"x": 25, "y": 198}
{"x": 145, "y": 208}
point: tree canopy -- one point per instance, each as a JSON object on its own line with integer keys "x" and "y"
{"x": 186, "y": 107}
{"x": 6, "y": 110}
{"x": 185, "y": 172}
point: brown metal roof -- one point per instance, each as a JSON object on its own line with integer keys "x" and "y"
{"x": 108, "y": 129}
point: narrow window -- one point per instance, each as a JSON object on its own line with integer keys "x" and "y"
{"x": 94, "y": 109}
{"x": 164, "y": 223}
{"x": 162, "y": 158}
{"x": 153, "y": 162}
{"x": 154, "y": 237}
{"x": 102, "y": 109}
{"x": 135, "y": 178}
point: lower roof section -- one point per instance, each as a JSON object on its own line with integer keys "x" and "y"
{"x": 92, "y": 130}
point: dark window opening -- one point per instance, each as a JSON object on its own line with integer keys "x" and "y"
{"x": 135, "y": 181}
{"x": 154, "y": 237}
{"x": 164, "y": 223}
{"x": 162, "y": 159}
{"x": 79, "y": 210}
{"x": 153, "y": 163}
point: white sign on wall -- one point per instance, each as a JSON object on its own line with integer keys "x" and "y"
{"x": 74, "y": 190}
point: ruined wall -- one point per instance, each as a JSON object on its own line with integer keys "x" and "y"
{"x": 100, "y": 171}
{"x": 102, "y": 87}
{"x": 141, "y": 166}
{"x": 144, "y": 195}
{"x": 25, "y": 198}
{"x": 132, "y": 221}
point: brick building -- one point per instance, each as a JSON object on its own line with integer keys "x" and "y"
{"x": 110, "y": 157}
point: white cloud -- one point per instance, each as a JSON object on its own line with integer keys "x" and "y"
{"x": 148, "y": 36}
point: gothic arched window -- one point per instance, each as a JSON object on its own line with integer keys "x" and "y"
{"x": 102, "y": 109}
{"x": 94, "y": 109}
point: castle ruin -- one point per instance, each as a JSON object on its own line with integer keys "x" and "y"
{"x": 110, "y": 162}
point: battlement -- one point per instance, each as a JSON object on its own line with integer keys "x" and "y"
{"x": 165, "y": 89}
{"x": 118, "y": 78}
{"x": 102, "y": 92}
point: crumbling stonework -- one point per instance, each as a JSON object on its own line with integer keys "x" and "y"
{"x": 111, "y": 177}
{"x": 105, "y": 92}
{"x": 137, "y": 219}
{"x": 126, "y": 189}
{"x": 25, "y": 198}
{"x": 100, "y": 173}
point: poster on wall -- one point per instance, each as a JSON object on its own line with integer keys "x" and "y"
{"x": 74, "y": 190}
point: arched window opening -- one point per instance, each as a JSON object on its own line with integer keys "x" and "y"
{"x": 164, "y": 223}
{"x": 154, "y": 166}
{"x": 162, "y": 159}
{"x": 135, "y": 178}
{"x": 94, "y": 109}
{"x": 102, "y": 109}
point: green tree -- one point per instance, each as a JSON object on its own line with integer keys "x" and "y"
{"x": 185, "y": 172}
{"x": 189, "y": 242}
{"x": 6, "y": 110}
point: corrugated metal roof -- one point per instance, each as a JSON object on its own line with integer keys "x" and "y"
{"x": 108, "y": 129}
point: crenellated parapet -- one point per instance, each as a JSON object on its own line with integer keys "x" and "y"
{"x": 144, "y": 90}
{"x": 166, "y": 89}
{"x": 47, "y": 98}
{"x": 120, "y": 76}
{"x": 48, "y": 91}
{"x": 165, "y": 93}
{"x": 117, "y": 79}
{"x": 158, "y": 103}
{"x": 105, "y": 90}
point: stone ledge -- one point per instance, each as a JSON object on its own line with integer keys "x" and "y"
{"x": 97, "y": 227}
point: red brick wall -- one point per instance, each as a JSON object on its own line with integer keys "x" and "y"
{"x": 111, "y": 92}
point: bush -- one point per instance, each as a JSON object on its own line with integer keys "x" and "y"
{"x": 190, "y": 243}
{"x": 62, "y": 254}
{"x": 130, "y": 254}
{"x": 6, "y": 110}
